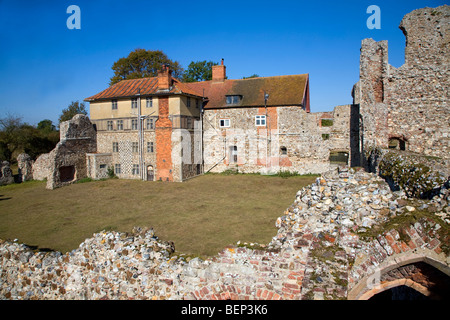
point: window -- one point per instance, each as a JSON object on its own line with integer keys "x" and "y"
{"x": 135, "y": 169}
{"x": 197, "y": 103}
{"x": 117, "y": 169}
{"x": 110, "y": 125}
{"x": 134, "y": 124}
{"x": 149, "y": 124}
{"x": 134, "y": 103}
{"x": 103, "y": 166}
{"x": 224, "y": 123}
{"x": 233, "y": 99}
{"x": 150, "y": 147}
{"x": 283, "y": 151}
{"x": 114, "y": 104}
{"x": 149, "y": 102}
{"x": 188, "y": 102}
{"x": 115, "y": 147}
{"x": 135, "y": 147}
{"x": 260, "y": 120}
{"x": 119, "y": 124}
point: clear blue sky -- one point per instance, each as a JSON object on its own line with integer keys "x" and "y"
{"x": 44, "y": 65}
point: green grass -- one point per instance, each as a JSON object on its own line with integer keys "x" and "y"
{"x": 201, "y": 216}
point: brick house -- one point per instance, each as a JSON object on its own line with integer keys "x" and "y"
{"x": 162, "y": 129}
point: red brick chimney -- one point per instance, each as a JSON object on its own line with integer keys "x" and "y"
{"x": 164, "y": 78}
{"x": 219, "y": 72}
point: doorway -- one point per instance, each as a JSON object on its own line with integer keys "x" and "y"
{"x": 150, "y": 173}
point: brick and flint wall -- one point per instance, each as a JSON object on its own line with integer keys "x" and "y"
{"x": 293, "y": 140}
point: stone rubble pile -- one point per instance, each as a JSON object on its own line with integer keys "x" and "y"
{"x": 308, "y": 258}
{"x": 353, "y": 199}
{"x": 110, "y": 265}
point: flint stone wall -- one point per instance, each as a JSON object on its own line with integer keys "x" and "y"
{"x": 6, "y": 176}
{"x": 320, "y": 252}
{"x": 307, "y": 142}
{"x": 77, "y": 137}
{"x": 25, "y": 167}
{"x": 409, "y": 103}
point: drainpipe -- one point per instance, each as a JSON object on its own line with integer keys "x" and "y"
{"x": 266, "y": 97}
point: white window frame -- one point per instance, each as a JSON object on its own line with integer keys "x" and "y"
{"x": 110, "y": 125}
{"x": 134, "y": 124}
{"x": 225, "y": 125}
{"x": 114, "y": 104}
{"x": 135, "y": 170}
{"x": 134, "y": 103}
{"x": 119, "y": 124}
{"x": 115, "y": 146}
{"x": 149, "y": 102}
{"x": 117, "y": 168}
{"x": 150, "y": 147}
{"x": 149, "y": 124}
{"x": 135, "y": 147}
{"x": 260, "y": 120}
{"x": 233, "y": 100}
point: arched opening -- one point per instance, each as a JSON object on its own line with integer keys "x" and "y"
{"x": 397, "y": 143}
{"x": 402, "y": 292}
{"x": 414, "y": 281}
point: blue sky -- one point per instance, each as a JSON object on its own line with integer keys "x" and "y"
{"x": 44, "y": 66}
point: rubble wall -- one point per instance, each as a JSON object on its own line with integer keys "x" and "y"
{"x": 409, "y": 103}
{"x": 334, "y": 236}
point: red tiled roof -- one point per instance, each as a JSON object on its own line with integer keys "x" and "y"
{"x": 282, "y": 90}
{"x": 147, "y": 86}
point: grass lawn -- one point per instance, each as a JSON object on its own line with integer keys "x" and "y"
{"x": 201, "y": 216}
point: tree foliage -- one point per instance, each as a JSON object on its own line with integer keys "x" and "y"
{"x": 17, "y": 136}
{"x": 199, "y": 71}
{"x": 74, "y": 108}
{"x": 142, "y": 63}
{"x": 252, "y": 76}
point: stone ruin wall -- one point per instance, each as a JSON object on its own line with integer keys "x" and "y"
{"x": 77, "y": 137}
{"x": 321, "y": 251}
{"x": 410, "y": 102}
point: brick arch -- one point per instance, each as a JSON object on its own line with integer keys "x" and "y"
{"x": 421, "y": 272}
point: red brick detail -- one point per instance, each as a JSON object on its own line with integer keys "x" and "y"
{"x": 163, "y": 132}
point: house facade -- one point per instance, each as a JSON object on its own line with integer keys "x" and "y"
{"x": 162, "y": 129}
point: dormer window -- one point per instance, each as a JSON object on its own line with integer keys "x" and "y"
{"x": 233, "y": 99}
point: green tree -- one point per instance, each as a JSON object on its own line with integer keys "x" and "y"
{"x": 74, "y": 108}
{"x": 142, "y": 63}
{"x": 46, "y": 126}
{"x": 17, "y": 136}
{"x": 199, "y": 71}
{"x": 10, "y": 137}
{"x": 252, "y": 76}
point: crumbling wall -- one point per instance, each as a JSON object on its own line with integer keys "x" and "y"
{"x": 6, "y": 176}
{"x": 25, "y": 167}
{"x": 409, "y": 103}
{"x": 66, "y": 163}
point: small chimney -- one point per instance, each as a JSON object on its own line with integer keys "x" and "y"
{"x": 219, "y": 72}
{"x": 164, "y": 78}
